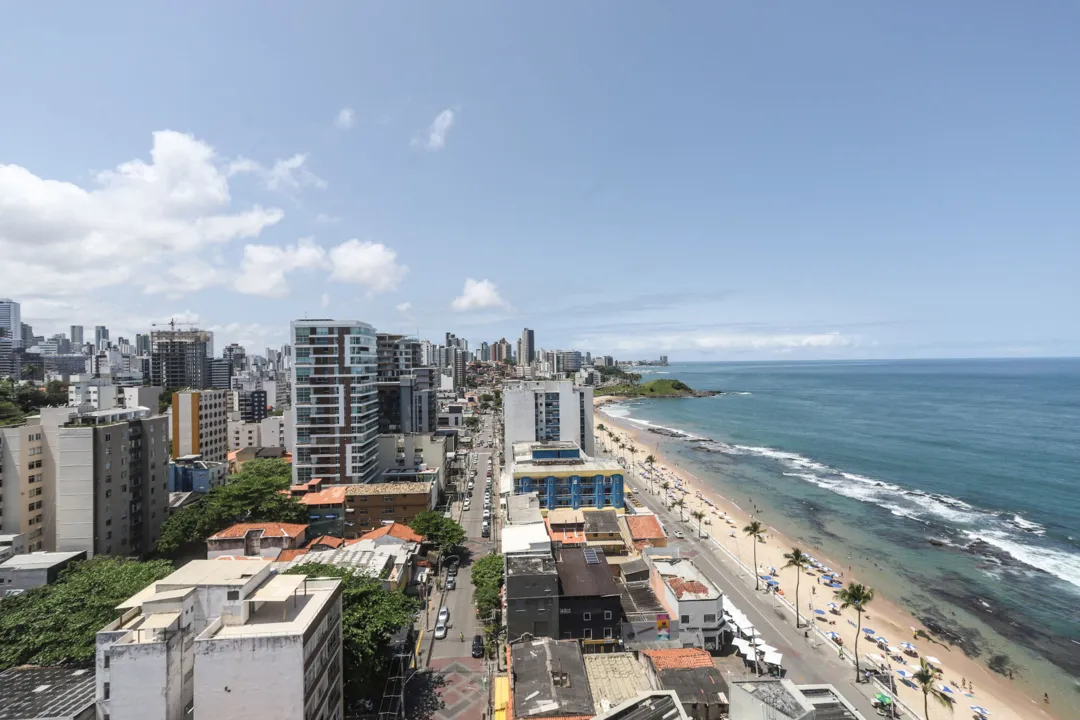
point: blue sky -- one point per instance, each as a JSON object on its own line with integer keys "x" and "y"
{"x": 706, "y": 180}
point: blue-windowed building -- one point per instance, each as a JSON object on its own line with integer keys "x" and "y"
{"x": 190, "y": 473}
{"x": 565, "y": 477}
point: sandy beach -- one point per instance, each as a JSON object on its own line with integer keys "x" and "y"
{"x": 726, "y": 517}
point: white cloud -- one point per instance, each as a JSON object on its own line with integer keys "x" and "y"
{"x": 288, "y": 176}
{"x": 436, "y": 133}
{"x": 58, "y": 239}
{"x": 324, "y": 219}
{"x": 345, "y": 119}
{"x": 479, "y": 294}
{"x": 404, "y": 308}
{"x": 264, "y": 267}
{"x": 324, "y": 301}
{"x": 367, "y": 263}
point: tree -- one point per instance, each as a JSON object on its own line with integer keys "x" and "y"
{"x": 680, "y": 503}
{"x": 924, "y": 678}
{"x": 797, "y": 560}
{"x": 856, "y": 596}
{"x": 164, "y": 401}
{"x": 29, "y": 397}
{"x": 473, "y": 423}
{"x": 487, "y": 578}
{"x": 755, "y": 530}
{"x": 56, "y": 393}
{"x": 697, "y": 515}
{"x": 253, "y": 495}
{"x": 444, "y": 533}
{"x": 370, "y": 615}
{"x": 665, "y": 486}
{"x": 57, "y": 624}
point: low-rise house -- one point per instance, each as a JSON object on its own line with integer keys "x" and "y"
{"x": 325, "y": 504}
{"x": 649, "y": 705}
{"x": 691, "y": 597}
{"x": 548, "y": 680}
{"x": 324, "y": 542}
{"x": 238, "y": 458}
{"x": 532, "y": 596}
{"x": 589, "y": 607}
{"x": 602, "y": 531}
{"x": 23, "y": 572}
{"x": 190, "y": 473}
{"x": 615, "y": 678}
{"x": 265, "y": 540}
{"x": 566, "y": 526}
{"x": 645, "y": 531}
{"x": 523, "y": 510}
{"x": 691, "y": 673}
{"x": 526, "y": 540}
{"x": 47, "y": 693}
{"x": 393, "y": 534}
{"x": 369, "y": 506}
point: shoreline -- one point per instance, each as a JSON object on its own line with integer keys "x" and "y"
{"x": 995, "y": 692}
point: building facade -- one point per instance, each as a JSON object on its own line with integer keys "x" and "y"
{"x": 252, "y": 405}
{"x": 544, "y": 410}
{"x": 565, "y": 477}
{"x": 27, "y": 508}
{"x": 369, "y": 506}
{"x": 526, "y": 347}
{"x": 200, "y": 424}
{"x": 193, "y": 474}
{"x": 179, "y": 358}
{"x": 334, "y": 401}
{"x": 409, "y": 403}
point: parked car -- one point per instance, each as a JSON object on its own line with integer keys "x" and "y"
{"x": 486, "y": 531}
{"x": 451, "y": 582}
{"x": 440, "y": 631}
{"x": 444, "y": 615}
{"x": 679, "y": 534}
{"x": 468, "y": 504}
{"x": 478, "y": 646}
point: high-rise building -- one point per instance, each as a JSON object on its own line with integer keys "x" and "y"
{"x": 179, "y": 358}
{"x": 568, "y": 361}
{"x": 252, "y": 405}
{"x": 27, "y": 497}
{"x": 485, "y": 352}
{"x": 142, "y": 344}
{"x": 409, "y": 403}
{"x": 545, "y": 410}
{"x": 526, "y": 347}
{"x": 397, "y": 355}
{"x": 77, "y": 338}
{"x": 221, "y": 372}
{"x": 101, "y": 337}
{"x": 205, "y": 640}
{"x": 200, "y": 424}
{"x": 11, "y": 322}
{"x": 237, "y": 355}
{"x": 335, "y": 401}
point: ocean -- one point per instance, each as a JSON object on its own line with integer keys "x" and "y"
{"x": 953, "y": 486}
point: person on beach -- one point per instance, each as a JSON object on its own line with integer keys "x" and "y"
{"x": 1046, "y": 699}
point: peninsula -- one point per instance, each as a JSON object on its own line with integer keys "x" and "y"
{"x": 653, "y": 389}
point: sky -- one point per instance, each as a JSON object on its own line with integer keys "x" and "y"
{"x": 709, "y": 181}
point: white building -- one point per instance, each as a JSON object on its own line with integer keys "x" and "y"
{"x": 532, "y": 540}
{"x": 688, "y": 595}
{"x": 11, "y": 322}
{"x": 334, "y": 401}
{"x": 200, "y": 425}
{"x": 224, "y": 639}
{"x": 268, "y": 432}
{"x": 547, "y": 410}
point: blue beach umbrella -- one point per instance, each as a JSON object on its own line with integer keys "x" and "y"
{"x": 765, "y": 577}
{"x": 979, "y": 710}
{"x": 904, "y": 674}
{"x": 907, "y": 646}
{"x": 819, "y": 612}
{"x": 834, "y": 606}
{"x": 869, "y": 631}
{"x": 946, "y": 688}
{"x": 832, "y": 635}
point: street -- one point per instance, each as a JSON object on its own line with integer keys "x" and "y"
{"x": 806, "y": 661}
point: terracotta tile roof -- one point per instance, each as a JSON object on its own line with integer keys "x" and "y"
{"x": 680, "y": 587}
{"x": 287, "y": 555}
{"x": 679, "y": 658}
{"x": 644, "y": 527}
{"x": 333, "y": 495}
{"x": 328, "y": 540}
{"x": 568, "y": 538}
{"x": 269, "y": 530}
{"x": 402, "y": 532}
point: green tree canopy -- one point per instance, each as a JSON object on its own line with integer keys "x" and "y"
{"x": 370, "y": 616}
{"x": 56, "y": 624}
{"x": 487, "y": 578}
{"x": 446, "y": 534}
{"x": 252, "y": 495}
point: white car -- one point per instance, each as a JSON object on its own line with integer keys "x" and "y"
{"x": 440, "y": 631}
{"x": 466, "y": 505}
{"x": 444, "y": 615}
{"x": 487, "y": 513}
{"x": 679, "y": 534}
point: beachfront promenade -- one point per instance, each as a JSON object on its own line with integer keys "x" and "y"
{"x": 806, "y": 661}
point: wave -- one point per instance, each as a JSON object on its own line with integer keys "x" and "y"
{"x": 1060, "y": 563}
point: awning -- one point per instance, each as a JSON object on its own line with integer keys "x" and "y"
{"x": 278, "y": 589}
{"x": 773, "y": 658}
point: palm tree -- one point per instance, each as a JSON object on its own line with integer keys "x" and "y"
{"x": 601, "y": 427}
{"x": 697, "y": 515}
{"x": 797, "y": 560}
{"x": 665, "y": 486}
{"x": 650, "y": 461}
{"x": 856, "y": 596}
{"x": 755, "y": 530}
{"x": 680, "y": 503}
{"x": 924, "y": 678}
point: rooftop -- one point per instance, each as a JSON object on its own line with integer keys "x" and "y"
{"x": 328, "y": 540}
{"x": 333, "y": 495}
{"x": 269, "y": 529}
{"x": 639, "y": 598}
{"x": 373, "y": 562}
{"x": 652, "y": 705}
{"x": 828, "y": 703}
{"x": 395, "y": 488}
{"x": 602, "y": 521}
{"x": 680, "y": 658}
{"x": 397, "y": 530}
{"x": 525, "y": 538}
{"x": 524, "y": 464}
{"x": 780, "y": 695}
{"x": 614, "y": 678}
{"x": 283, "y": 605}
{"x": 695, "y": 684}
{"x": 565, "y": 537}
{"x": 585, "y": 572}
{"x": 549, "y": 680}
{"x": 686, "y": 581}
{"x": 644, "y": 527}
{"x": 529, "y": 565}
{"x": 565, "y": 516}
{"x": 41, "y": 560}
{"x": 45, "y": 692}
{"x": 199, "y": 573}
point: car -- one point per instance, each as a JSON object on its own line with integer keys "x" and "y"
{"x": 679, "y": 534}
{"x": 486, "y": 532}
{"x": 444, "y": 615}
{"x": 452, "y": 571}
{"x": 478, "y": 646}
{"x": 440, "y": 631}
{"x": 451, "y": 582}
{"x": 487, "y": 513}
{"x": 467, "y": 504}
{"x": 471, "y": 484}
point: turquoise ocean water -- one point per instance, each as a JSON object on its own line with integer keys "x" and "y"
{"x": 871, "y": 461}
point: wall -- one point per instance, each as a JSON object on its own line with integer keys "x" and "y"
{"x": 258, "y": 677}
{"x": 140, "y": 685}
{"x": 75, "y": 489}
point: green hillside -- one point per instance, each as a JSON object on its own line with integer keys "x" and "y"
{"x": 653, "y": 388}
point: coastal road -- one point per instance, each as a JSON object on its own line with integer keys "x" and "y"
{"x": 806, "y": 661}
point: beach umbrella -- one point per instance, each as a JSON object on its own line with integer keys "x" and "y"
{"x": 904, "y": 674}
{"x": 869, "y": 631}
{"x": 945, "y": 688}
{"x": 908, "y": 646}
{"x": 883, "y": 698}
{"x": 979, "y": 710}
{"x": 819, "y": 612}
{"x": 765, "y": 577}
{"x": 832, "y": 635}
{"x": 834, "y": 606}
{"x": 932, "y": 660}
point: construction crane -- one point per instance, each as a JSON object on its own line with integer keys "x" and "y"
{"x": 173, "y": 323}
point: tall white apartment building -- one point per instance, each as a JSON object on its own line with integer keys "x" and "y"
{"x": 200, "y": 424}
{"x": 224, "y": 640}
{"x": 26, "y": 500}
{"x": 11, "y": 322}
{"x": 542, "y": 410}
{"x": 335, "y": 401}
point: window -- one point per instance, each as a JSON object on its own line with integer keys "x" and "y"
{"x": 105, "y": 659}
{"x": 608, "y": 634}
{"x": 108, "y": 437}
{"x": 106, "y": 691}
{"x": 607, "y": 614}
{"x": 710, "y": 619}
{"x": 586, "y": 616}
{"x": 685, "y": 619}
{"x": 233, "y": 595}
{"x": 588, "y": 634}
